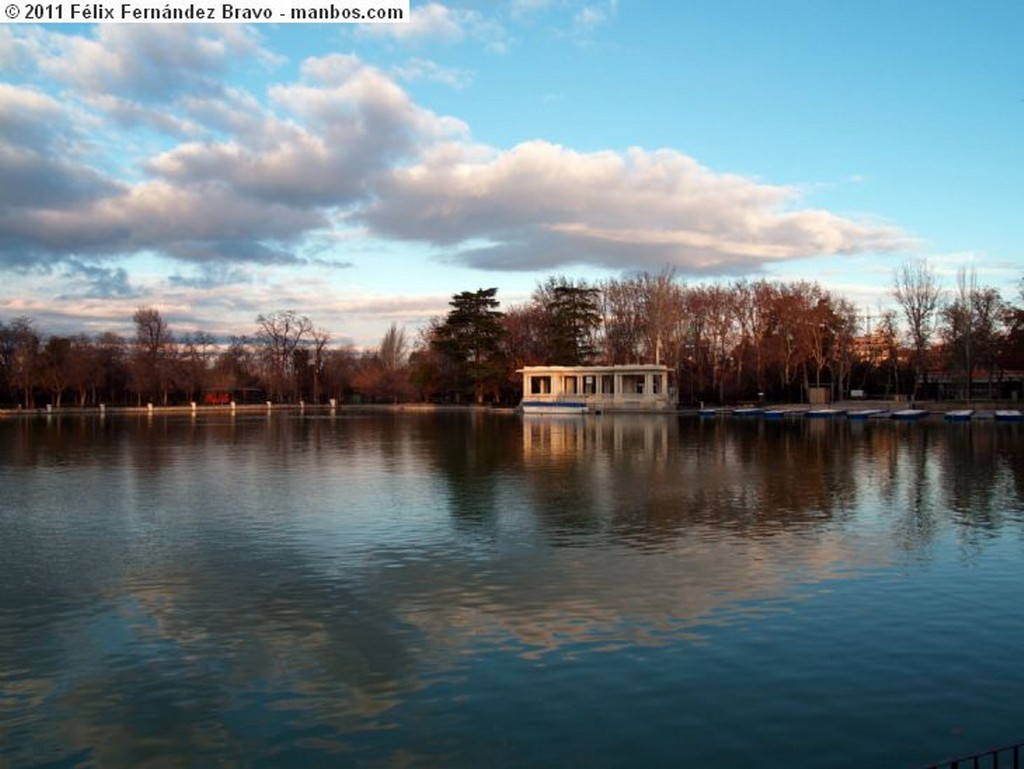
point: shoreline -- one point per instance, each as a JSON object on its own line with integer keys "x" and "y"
{"x": 248, "y": 408}
{"x": 981, "y": 410}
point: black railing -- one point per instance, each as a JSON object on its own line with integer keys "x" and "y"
{"x": 1008, "y": 757}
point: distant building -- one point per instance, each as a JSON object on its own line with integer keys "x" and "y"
{"x": 875, "y": 347}
{"x": 577, "y": 389}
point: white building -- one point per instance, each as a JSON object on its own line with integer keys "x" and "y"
{"x": 569, "y": 389}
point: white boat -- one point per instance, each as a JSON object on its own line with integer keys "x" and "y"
{"x": 554, "y": 407}
{"x": 747, "y": 412}
{"x": 784, "y": 413}
{"x": 909, "y": 415}
{"x": 864, "y": 413}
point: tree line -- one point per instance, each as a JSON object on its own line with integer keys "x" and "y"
{"x": 725, "y": 342}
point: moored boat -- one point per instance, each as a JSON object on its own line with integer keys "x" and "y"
{"x": 1009, "y": 415}
{"x": 864, "y": 413}
{"x": 747, "y": 412}
{"x": 959, "y": 415}
{"x": 554, "y": 407}
{"x": 909, "y": 415}
{"x": 824, "y": 413}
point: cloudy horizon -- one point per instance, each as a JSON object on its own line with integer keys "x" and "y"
{"x": 362, "y": 175}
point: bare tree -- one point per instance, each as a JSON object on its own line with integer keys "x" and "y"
{"x": 280, "y": 334}
{"x": 972, "y": 329}
{"x": 111, "y": 374}
{"x": 818, "y": 329}
{"x": 917, "y": 291}
{"x": 235, "y": 368}
{"x": 320, "y": 339}
{"x": 720, "y": 313}
{"x": 20, "y": 358}
{"x": 888, "y": 331}
{"x": 990, "y": 330}
{"x": 663, "y": 309}
{"x": 786, "y": 338}
{"x": 623, "y": 320}
{"x": 752, "y": 303}
{"x": 394, "y": 348}
{"x": 384, "y": 373}
{"x": 197, "y": 351}
{"x": 55, "y": 368}
{"x": 846, "y": 325}
{"x": 151, "y": 369}
{"x": 85, "y": 371}
{"x": 523, "y": 341}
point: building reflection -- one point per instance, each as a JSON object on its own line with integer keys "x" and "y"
{"x": 553, "y": 438}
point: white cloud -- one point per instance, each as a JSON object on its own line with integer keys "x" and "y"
{"x": 542, "y": 206}
{"x": 435, "y": 23}
{"x": 125, "y": 113}
{"x": 253, "y": 196}
{"x": 334, "y": 131}
{"x": 424, "y": 69}
{"x": 344, "y": 145}
{"x": 590, "y": 17}
{"x": 148, "y": 62}
{"x": 40, "y": 165}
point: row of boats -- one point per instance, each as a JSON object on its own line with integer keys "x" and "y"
{"x": 904, "y": 415}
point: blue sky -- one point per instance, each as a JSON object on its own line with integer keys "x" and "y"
{"x": 364, "y": 173}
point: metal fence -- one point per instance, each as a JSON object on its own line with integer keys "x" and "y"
{"x": 1008, "y": 757}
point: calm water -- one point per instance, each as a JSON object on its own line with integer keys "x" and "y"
{"x": 459, "y": 590}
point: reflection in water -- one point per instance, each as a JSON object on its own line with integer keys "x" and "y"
{"x": 483, "y": 589}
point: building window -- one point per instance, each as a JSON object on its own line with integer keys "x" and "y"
{"x": 540, "y": 385}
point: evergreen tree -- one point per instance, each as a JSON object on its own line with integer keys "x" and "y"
{"x": 574, "y": 316}
{"x": 470, "y": 336}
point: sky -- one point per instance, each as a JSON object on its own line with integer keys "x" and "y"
{"x": 361, "y": 174}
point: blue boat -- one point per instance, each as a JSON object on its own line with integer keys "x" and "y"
{"x": 1009, "y": 415}
{"x": 708, "y": 412}
{"x": 959, "y": 415}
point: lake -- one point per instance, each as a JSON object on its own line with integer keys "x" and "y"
{"x": 477, "y": 589}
